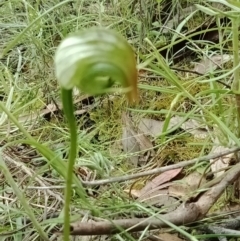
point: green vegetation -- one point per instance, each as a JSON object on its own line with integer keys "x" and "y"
{"x": 34, "y": 130}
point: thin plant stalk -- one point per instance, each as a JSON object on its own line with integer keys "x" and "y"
{"x": 236, "y": 86}
{"x": 69, "y": 112}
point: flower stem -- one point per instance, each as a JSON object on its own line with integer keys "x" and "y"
{"x": 69, "y": 112}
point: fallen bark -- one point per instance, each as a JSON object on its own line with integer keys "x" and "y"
{"x": 184, "y": 214}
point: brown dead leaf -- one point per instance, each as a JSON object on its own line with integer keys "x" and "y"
{"x": 130, "y": 145}
{"x": 134, "y": 141}
{"x": 151, "y": 127}
{"x": 211, "y": 63}
{"x": 159, "y": 180}
{"x": 195, "y": 179}
{"x": 154, "y": 196}
{"x": 180, "y": 190}
{"x": 169, "y": 236}
{"x": 152, "y": 193}
{"x": 161, "y": 199}
{"x": 157, "y": 198}
{"x": 135, "y": 193}
{"x": 185, "y": 188}
{"x": 191, "y": 126}
{"x": 154, "y": 128}
{"x": 222, "y": 162}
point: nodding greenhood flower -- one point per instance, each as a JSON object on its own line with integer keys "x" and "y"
{"x": 93, "y": 59}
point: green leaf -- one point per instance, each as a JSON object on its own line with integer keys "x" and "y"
{"x": 206, "y": 10}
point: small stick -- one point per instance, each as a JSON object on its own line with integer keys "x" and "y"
{"x": 160, "y": 169}
{"x": 184, "y": 214}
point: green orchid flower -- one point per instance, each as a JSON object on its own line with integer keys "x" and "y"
{"x": 89, "y": 60}
{"x": 92, "y": 61}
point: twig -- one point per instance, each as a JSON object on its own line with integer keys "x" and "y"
{"x": 178, "y": 217}
{"x": 160, "y": 169}
{"x": 206, "y": 201}
{"x": 184, "y": 214}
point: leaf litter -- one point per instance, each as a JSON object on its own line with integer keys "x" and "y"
{"x": 187, "y": 186}
{"x": 219, "y": 165}
{"x": 209, "y": 64}
{"x": 155, "y": 192}
{"x": 135, "y": 146}
{"x": 155, "y": 128}
{"x": 135, "y": 142}
{"x": 168, "y": 237}
{"x": 160, "y": 190}
{"x": 157, "y": 182}
{"x": 199, "y": 131}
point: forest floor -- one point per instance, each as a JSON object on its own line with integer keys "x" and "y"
{"x": 153, "y": 167}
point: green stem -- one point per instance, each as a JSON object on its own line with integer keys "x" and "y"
{"x": 69, "y": 112}
{"x": 236, "y": 86}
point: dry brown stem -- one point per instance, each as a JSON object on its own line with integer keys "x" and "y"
{"x": 185, "y": 214}
{"x": 160, "y": 169}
